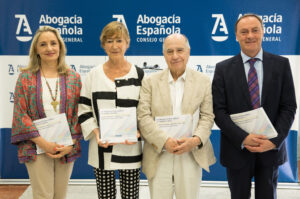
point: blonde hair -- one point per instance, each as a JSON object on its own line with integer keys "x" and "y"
{"x": 35, "y": 60}
{"x": 114, "y": 28}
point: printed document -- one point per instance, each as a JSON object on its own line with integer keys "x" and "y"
{"x": 54, "y": 129}
{"x": 118, "y": 125}
{"x": 255, "y": 121}
{"x": 178, "y": 126}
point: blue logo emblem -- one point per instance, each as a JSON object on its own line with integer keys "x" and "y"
{"x": 12, "y": 96}
{"x": 199, "y": 68}
{"x": 11, "y": 70}
{"x": 73, "y": 67}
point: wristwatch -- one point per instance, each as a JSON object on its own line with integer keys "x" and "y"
{"x": 201, "y": 144}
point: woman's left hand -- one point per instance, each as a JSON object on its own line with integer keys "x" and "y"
{"x": 61, "y": 151}
{"x": 131, "y": 143}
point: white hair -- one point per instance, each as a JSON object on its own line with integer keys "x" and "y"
{"x": 178, "y": 35}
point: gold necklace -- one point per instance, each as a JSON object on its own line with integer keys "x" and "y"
{"x": 54, "y": 103}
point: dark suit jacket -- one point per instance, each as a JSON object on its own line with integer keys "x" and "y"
{"x": 231, "y": 95}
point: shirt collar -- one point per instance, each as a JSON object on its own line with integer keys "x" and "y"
{"x": 183, "y": 76}
{"x": 259, "y": 56}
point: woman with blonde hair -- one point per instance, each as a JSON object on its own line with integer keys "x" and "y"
{"x": 114, "y": 84}
{"x": 45, "y": 88}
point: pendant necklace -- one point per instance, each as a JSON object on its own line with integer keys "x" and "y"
{"x": 54, "y": 103}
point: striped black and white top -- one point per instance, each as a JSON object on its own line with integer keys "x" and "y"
{"x": 99, "y": 92}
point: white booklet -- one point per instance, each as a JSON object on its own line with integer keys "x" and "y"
{"x": 54, "y": 129}
{"x": 118, "y": 125}
{"x": 255, "y": 121}
{"x": 178, "y": 126}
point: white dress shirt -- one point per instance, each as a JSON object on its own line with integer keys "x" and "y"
{"x": 176, "y": 92}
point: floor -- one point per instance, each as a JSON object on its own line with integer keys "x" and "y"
{"x": 12, "y": 191}
{"x": 87, "y": 190}
{"x": 217, "y": 190}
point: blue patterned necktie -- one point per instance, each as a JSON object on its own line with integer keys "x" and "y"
{"x": 253, "y": 85}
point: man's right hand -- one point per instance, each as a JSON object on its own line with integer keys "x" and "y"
{"x": 171, "y": 144}
{"x": 250, "y": 139}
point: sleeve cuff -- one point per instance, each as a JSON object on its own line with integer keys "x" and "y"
{"x": 201, "y": 143}
{"x": 22, "y": 137}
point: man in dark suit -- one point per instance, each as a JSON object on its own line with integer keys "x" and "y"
{"x": 241, "y": 85}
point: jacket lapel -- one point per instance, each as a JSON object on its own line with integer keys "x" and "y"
{"x": 239, "y": 70}
{"x": 267, "y": 77}
{"x": 164, "y": 90}
{"x": 39, "y": 94}
{"x": 188, "y": 92}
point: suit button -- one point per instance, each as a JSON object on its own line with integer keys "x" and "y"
{"x": 154, "y": 146}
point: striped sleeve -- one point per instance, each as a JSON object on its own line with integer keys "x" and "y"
{"x": 86, "y": 116}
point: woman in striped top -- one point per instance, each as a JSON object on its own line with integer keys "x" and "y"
{"x": 114, "y": 84}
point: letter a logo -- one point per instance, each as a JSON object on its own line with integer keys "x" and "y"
{"x": 11, "y": 97}
{"x": 73, "y": 67}
{"x": 199, "y": 68}
{"x": 26, "y": 34}
{"x": 11, "y": 70}
{"x": 120, "y": 18}
{"x": 220, "y": 25}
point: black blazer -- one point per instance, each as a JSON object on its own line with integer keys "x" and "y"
{"x": 231, "y": 95}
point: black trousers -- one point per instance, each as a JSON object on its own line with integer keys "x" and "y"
{"x": 265, "y": 178}
{"x": 106, "y": 183}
